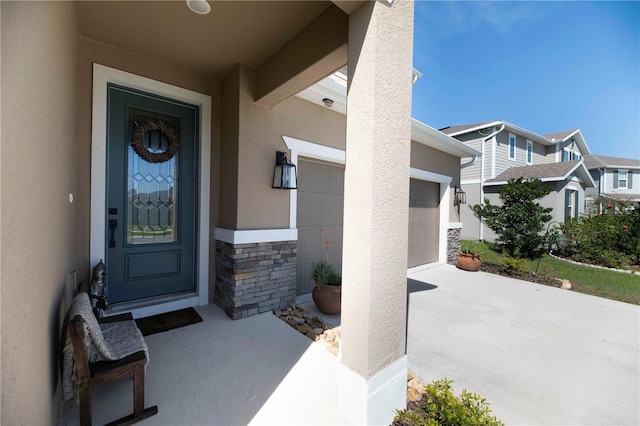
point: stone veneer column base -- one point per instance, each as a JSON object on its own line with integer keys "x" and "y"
{"x": 254, "y": 278}
{"x": 453, "y": 244}
{"x": 373, "y": 401}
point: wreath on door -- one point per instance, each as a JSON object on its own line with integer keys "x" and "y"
{"x": 137, "y": 141}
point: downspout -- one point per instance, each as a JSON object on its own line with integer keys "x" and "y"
{"x": 488, "y": 137}
{"x": 472, "y": 162}
{"x": 601, "y": 186}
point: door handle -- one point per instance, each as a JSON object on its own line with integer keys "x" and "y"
{"x": 113, "y": 225}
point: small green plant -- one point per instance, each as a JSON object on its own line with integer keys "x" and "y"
{"x": 439, "y": 406}
{"x": 321, "y": 271}
{"x": 513, "y": 265}
{"x": 469, "y": 248}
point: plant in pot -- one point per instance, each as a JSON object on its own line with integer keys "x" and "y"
{"x": 327, "y": 293}
{"x": 468, "y": 258}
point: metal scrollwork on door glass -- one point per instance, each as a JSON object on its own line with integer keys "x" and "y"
{"x": 152, "y": 186}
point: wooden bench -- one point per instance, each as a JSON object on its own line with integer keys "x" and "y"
{"x": 90, "y": 374}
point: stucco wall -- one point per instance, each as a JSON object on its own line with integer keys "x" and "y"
{"x": 259, "y": 137}
{"x": 39, "y": 48}
{"x": 92, "y": 51}
{"x": 432, "y": 160}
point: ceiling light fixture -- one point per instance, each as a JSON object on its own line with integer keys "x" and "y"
{"x": 327, "y": 102}
{"x": 201, "y": 7}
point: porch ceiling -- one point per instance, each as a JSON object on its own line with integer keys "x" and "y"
{"x": 210, "y": 45}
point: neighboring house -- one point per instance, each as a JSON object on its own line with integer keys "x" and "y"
{"x": 509, "y": 152}
{"x": 78, "y": 78}
{"x": 616, "y": 179}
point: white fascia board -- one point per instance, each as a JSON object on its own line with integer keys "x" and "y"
{"x": 621, "y": 167}
{"x": 585, "y": 175}
{"x": 582, "y": 143}
{"x": 427, "y": 135}
{"x": 529, "y": 134}
{"x": 547, "y": 179}
{"x": 417, "y": 75}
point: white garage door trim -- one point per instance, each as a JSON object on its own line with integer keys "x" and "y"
{"x": 302, "y": 148}
{"x": 445, "y": 182}
{"x": 299, "y": 147}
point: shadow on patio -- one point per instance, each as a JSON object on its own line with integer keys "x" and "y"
{"x": 253, "y": 371}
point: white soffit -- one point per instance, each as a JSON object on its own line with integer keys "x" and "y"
{"x": 333, "y": 87}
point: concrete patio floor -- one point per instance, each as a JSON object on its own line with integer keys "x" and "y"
{"x": 221, "y": 372}
{"x": 539, "y": 355}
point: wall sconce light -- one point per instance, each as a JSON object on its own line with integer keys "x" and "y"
{"x": 460, "y": 196}
{"x": 284, "y": 175}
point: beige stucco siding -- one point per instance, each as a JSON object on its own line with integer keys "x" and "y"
{"x": 90, "y": 52}
{"x": 432, "y": 160}
{"x": 260, "y": 136}
{"x": 39, "y": 48}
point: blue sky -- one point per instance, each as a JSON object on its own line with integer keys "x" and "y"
{"x": 544, "y": 66}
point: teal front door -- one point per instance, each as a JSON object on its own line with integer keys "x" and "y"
{"x": 151, "y": 196}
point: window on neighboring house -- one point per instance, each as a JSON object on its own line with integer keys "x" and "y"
{"x": 621, "y": 177}
{"x": 529, "y": 152}
{"x": 512, "y": 147}
{"x": 570, "y": 155}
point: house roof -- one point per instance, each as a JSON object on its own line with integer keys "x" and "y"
{"x": 435, "y": 139}
{"x": 600, "y": 161}
{"x": 548, "y": 140}
{"x": 462, "y": 128}
{"x": 546, "y": 172}
{"x": 561, "y": 135}
{"x": 621, "y": 197}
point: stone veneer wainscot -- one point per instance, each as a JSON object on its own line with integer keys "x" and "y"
{"x": 254, "y": 278}
{"x": 453, "y": 244}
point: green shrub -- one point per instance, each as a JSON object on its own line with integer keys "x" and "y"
{"x": 611, "y": 238}
{"x": 513, "y": 265}
{"x": 440, "y": 406}
{"x": 520, "y": 218}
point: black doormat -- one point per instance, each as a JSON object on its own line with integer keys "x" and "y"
{"x": 170, "y": 320}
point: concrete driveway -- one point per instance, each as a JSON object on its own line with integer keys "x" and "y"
{"x": 539, "y": 354}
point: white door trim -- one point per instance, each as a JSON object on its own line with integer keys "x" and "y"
{"x": 101, "y": 76}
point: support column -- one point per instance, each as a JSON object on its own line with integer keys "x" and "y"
{"x": 373, "y": 367}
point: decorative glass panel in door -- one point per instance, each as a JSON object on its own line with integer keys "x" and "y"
{"x": 151, "y": 196}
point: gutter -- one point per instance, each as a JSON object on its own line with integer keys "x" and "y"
{"x": 474, "y": 159}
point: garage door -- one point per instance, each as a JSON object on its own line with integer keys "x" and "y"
{"x": 320, "y": 206}
{"x": 424, "y": 199}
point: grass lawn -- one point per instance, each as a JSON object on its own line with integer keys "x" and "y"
{"x": 597, "y": 282}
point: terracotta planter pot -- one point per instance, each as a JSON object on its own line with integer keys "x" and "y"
{"x": 328, "y": 298}
{"x": 468, "y": 262}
